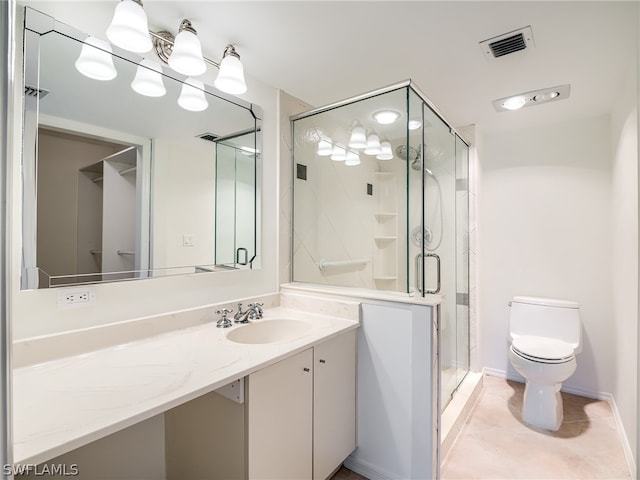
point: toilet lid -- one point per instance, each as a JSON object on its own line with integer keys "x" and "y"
{"x": 543, "y": 349}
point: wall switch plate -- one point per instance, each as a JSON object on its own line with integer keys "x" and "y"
{"x": 76, "y": 297}
{"x": 188, "y": 240}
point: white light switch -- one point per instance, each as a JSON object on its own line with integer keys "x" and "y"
{"x": 188, "y": 240}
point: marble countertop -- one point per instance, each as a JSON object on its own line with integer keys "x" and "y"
{"x": 68, "y": 402}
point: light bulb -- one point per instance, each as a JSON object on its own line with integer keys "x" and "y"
{"x": 230, "y": 78}
{"x": 192, "y": 95}
{"x": 186, "y": 56}
{"x": 358, "y": 138}
{"x": 514, "y": 103}
{"x": 129, "y": 28}
{"x": 352, "y": 159}
{"x": 373, "y": 145}
{"x": 148, "y": 79}
{"x": 324, "y": 148}
{"x": 95, "y": 60}
{"x": 386, "y": 152}
{"x": 339, "y": 153}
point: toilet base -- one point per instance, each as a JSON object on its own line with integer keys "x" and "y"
{"x": 542, "y": 406}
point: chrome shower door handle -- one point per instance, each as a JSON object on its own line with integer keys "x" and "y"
{"x": 438, "y": 278}
{"x": 246, "y": 256}
{"x": 419, "y": 272}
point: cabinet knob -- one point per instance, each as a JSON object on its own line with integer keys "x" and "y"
{"x": 306, "y": 369}
{"x": 322, "y": 360}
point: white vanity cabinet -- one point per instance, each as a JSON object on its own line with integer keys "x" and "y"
{"x": 334, "y": 403}
{"x": 301, "y": 413}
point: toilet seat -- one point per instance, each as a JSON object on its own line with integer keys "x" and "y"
{"x": 543, "y": 349}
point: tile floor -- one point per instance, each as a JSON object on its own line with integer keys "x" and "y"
{"x": 346, "y": 474}
{"x": 494, "y": 443}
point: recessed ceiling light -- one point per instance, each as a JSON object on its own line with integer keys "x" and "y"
{"x": 546, "y": 96}
{"x": 414, "y": 124}
{"x": 386, "y": 117}
{"x": 535, "y": 97}
{"x": 514, "y": 103}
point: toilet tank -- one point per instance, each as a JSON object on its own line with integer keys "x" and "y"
{"x": 546, "y": 317}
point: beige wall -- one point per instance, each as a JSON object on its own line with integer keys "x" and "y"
{"x": 545, "y": 230}
{"x": 624, "y": 234}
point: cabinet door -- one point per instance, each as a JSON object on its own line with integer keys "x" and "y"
{"x": 334, "y": 397}
{"x": 279, "y": 419}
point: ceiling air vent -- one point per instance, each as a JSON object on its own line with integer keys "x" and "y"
{"x": 508, "y": 43}
{"x": 209, "y": 137}
{"x": 35, "y": 92}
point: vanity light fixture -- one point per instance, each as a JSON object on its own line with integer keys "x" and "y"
{"x": 358, "y": 137}
{"x": 352, "y": 159}
{"x": 95, "y": 60}
{"x": 339, "y": 153}
{"x": 373, "y": 145}
{"x": 129, "y": 28}
{"x": 535, "y": 97}
{"x": 186, "y": 55}
{"x": 230, "y": 78}
{"x": 386, "y": 117}
{"x": 148, "y": 79}
{"x": 192, "y": 96}
{"x": 386, "y": 152}
{"x": 324, "y": 148}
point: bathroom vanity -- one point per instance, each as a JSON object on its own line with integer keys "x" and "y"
{"x": 67, "y": 402}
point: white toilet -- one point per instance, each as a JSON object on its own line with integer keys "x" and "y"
{"x": 545, "y": 336}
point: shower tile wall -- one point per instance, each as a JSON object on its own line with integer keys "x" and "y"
{"x": 329, "y": 230}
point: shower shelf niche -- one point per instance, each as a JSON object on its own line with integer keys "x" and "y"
{"x": 385, "y": 251}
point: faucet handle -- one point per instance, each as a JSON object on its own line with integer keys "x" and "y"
{"x": 223, "y": 322}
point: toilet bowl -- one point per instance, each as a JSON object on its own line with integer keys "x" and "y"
{"x": 545, "y": 337}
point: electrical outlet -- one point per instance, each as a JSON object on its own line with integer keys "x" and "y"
{"x": 188, "y": 240}
{"x": 77, "y": 297}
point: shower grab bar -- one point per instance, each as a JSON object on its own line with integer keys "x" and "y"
{"x": 419, "y": 262}
{"x": 324, "y": 264}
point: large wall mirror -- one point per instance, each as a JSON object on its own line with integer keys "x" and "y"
{"x": 118, "y": 185}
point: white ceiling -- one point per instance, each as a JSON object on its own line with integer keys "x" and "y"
{"x": 324, "y": 51}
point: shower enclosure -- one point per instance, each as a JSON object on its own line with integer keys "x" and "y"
{"x": 381, "y": 203}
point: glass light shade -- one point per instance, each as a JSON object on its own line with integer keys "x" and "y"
{"x": 386, "y": 117}
{"x": 192, "y": 96}
{"x": 414, "y": 124}
{"x": 95, "y": 60}
{"x": 358, "y": 138}
{"x": 148, "y": 79}
{"x": 324, "y": 148}
{"x": 373, "y": 145}
{"x": 339, "y": 153}
{"x": 386, "y": 153}
{"x": 129, "y": 28}
{"x": 186, "y": 57}
{"x": 230, "y": 78}
{"x": 514, "y": 103}
{"x": 352, "y": 159}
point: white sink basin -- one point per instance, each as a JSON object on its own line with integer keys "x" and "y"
{"x": 269, "y": 331}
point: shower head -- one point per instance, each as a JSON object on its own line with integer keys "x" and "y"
{"x": 410, "y": 154}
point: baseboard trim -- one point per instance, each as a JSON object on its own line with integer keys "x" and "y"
{"x": 622, "y": 434}
{"x": 367, "y": 470}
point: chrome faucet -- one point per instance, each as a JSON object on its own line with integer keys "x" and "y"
{"x": 253, "y": 312}
{"x": 224, "y": 322}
